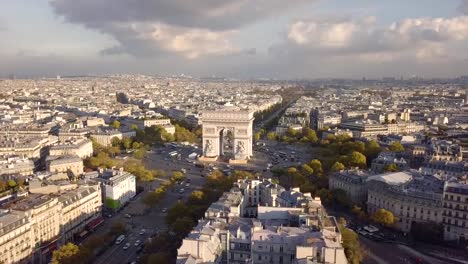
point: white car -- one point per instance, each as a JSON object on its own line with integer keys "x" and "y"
{"x": 137, "y": 243}
{"x": 142, "y": 232}
{"x": 187, "y": 184}
{"x": 164, "y": 210}
{"x": 126, "y": 246}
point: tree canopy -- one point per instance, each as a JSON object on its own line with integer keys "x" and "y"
{"x": 66, "y": 254}
{"x": 396, "y": 147}
{"x": 383, "y": 217}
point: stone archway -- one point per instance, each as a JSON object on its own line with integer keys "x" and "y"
{"x": 240, "y": 123}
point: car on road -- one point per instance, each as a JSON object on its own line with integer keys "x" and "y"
{"x": 181, "y": 190}
{"x": 137, "y": 243}
{"x": 128, "y": 215}
{"x": 126, "y": 246}
{"x": 187, "y": 184}
{"x": 119, "y": 239}
{"x": 142, "y": 231}
{"x": 164, "y": 210}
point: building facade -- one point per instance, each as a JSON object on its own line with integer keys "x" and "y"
{"x": 118, "y": 187}
{"x": 455, "y": 212}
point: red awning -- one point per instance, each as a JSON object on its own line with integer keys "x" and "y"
{"x": 95, "y": 223}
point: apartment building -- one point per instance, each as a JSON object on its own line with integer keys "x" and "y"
{"x": 410, "y": 196}
{"x": 16, "y": 165}
{"x": 444, "y": 150}
{"x": 32, "y": 227}
{"x": 24, "y": 146}
{"x": 293, "y": 229}
{"x": 69, "y": 163}
{"x": 455, "y": 212}
{"x": 445, "y": 169}
{"x": 81, "y": 147}
{"x": 104, "y": 137}
{"x": 387, "y": 158}
{"x": 16, "y": 237}
{"x": 79, "y": 208}
{"x": 368, "y": 129}
{"x": 353, "y": 182}
{"x": 118, "y": 187}
{"x": 149, "y": 122}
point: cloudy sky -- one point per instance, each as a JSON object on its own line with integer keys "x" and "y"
{"x": 235, "y": 38}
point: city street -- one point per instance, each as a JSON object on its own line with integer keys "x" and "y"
{"x": 153, "y": 219}
{"x": 386, "y": 253}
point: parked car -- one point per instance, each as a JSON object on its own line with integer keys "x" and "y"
{"x": 164, "y": 210}
{"x": 142, "y": 231}
{"x": 126, "y": 246}
{"x": 137, "y": 243}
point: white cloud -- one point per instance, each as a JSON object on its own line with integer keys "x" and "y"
{"x": 422, "y": 38}
{"x": 155, "y": 27}
{"x": 154, "y": 38}
{"x": 322, "y": 34}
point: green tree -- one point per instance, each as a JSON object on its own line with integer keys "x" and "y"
{"x": 357, "y": 210}
{"x": 353, "y": 250}
{"x": 179, "y": 210}
{"x": 316, "y": 165}
{"x": 391, "y": 168}
{"x": 197, "y": 197}
{"x": 372, "y": 150}
{"x": 136, "y": 145}
{"x": 271, "y": 136}
{"x": 357, "y": 159}
{"x": 337, "y": 166}
{"x": 310, "y": 135}
{"x": 257, "y": 136}
{"x": 396, "y": 147}
{"x": 177, "y": 176}
{"x": 182, "y": 226}
{"x": 114, "y": 150}
{"x": 117, "y": 228}
{"x": 307, "y": 169}
{"x": 140, "y": 153}
{"x": 238, "y": 174}
{"x": 67, "y": 253}
{"x": 291, "y": 132}
{"x": 151, "y": 199}
{"x": 11, "y": 183}
{"x": 383, "y": 217}
{"x": 115, "y": 124}
{"x": 126, "y": 143}
{"x": 343, "y": 138}
{"x": 116, "y": 142}
{"x": 160, "y": 257}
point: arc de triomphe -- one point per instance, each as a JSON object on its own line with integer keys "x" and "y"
{"x": 237, "y": 121}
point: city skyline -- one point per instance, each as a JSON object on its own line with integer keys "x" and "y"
{"x": 236, "y": 38}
